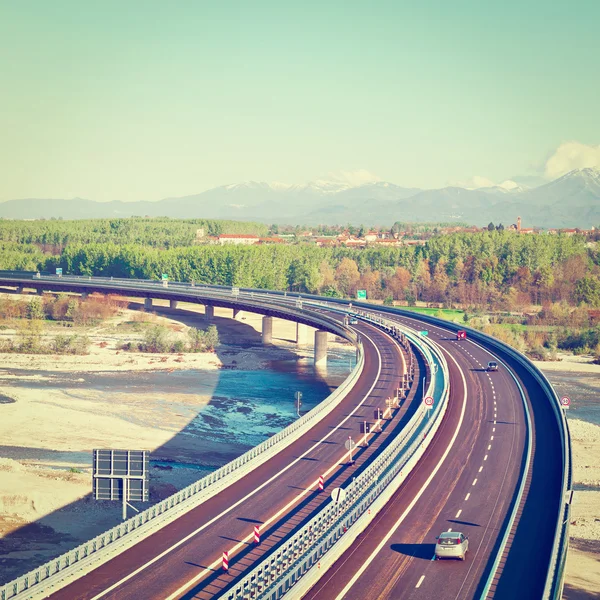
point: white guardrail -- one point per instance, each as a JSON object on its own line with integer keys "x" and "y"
{"x": 88, "y": 556}
{"x": 297, "y": 564}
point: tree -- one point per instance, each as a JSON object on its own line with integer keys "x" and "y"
{"x": 588, "y": 290}
{"x": 347, "y": 276}
{"x": 491, "y": 227}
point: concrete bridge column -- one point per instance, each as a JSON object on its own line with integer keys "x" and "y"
{"x": 238, "y": 314}
{"x": 40, "y": 292}
{"x": 20, "y": 289}
{"x": 84, "y": 295}
{"x": 172, "y": 303}
{"x": 301, "y": 334}
{"x": 320, "y": 346}
{"x": 267, "y": 330}
{"x": 148, "y": 303}
{"x": 209, "y": 312}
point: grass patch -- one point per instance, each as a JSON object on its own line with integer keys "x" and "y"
{"x": 450, "y": 314}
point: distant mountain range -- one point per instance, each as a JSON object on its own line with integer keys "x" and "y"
{"x": 573, "y": 200}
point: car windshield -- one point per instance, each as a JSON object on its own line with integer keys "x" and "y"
{"x": 493, "y": 364}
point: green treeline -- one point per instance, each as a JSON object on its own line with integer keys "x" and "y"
{"x": 158, "y": 232}
{"x": 496, "y": 269}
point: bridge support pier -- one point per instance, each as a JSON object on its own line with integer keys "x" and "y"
{"x": 238, "y": 314}
{"x": 172, "y": 303}
{"x": 267, "y": 330}
{"x": 84, "y": 295}
{"x": 40, "y": 292}
{"x": 209, "y": 312}
{"x": 320, "y": 346}
{"x": 301, "y": 334}
{"x": 20, "y": 289}
{"x": 148, "y": 303}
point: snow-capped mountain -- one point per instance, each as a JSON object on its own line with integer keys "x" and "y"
{"x": 572, "y": 200}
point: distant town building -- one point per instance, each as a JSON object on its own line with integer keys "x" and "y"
{"x": 238, "y": 238}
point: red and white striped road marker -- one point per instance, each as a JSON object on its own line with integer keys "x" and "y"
{"x": 256, "y": 535}
{"x": 321, "y": 483}
{"x": 225, "y": 561}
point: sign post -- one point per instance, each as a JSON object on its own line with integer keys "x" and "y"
{"x": 298, "y": 396}
{"x": 350, "y": 445}
{"x": 165, "y": 280}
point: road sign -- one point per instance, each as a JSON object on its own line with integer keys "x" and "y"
{"x": 428, "y": 401}
{"x": 256, "y": 534}
{"x": 321, "y": 483}
{"x": 424, "y": 333}
{"x": 378, "y": 414}
{"x": 59, "y": 271}
{"x": 361, "y": 294}
{"x": 461, "y": 335}
{"x": 365, "y": 427}
{"x": 120, "y": 475}
{"x": 165, "y": 277}
{"x": 350, "y": 444}
{"x": 565, "y": 401}
{"x": 225, "y": 561}
{"x": 338, "y": 495}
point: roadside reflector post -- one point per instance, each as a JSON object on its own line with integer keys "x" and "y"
{"x": 321, "y": 483}
{"x": 225, "y": 561}
{"x": 256, "y": 535}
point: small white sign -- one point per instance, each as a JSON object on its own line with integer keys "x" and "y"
{"x": 338, "y": 495}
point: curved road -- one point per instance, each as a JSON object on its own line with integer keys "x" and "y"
{"x": 278, "y": 495}
{"x": 467, "y": 481}
{"x": 471, "y": 491}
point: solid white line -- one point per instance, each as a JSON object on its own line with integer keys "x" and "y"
{"x": 467, "y": 496}
{"x": 420, "y": 581}
{"x": 242, "y": 543}
{"x": 458, "y": 514}
{"x": 403, "y": 516}
{"x": 474, "y": 481}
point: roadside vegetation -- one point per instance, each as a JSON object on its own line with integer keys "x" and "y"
{"x": 540, "y": 293}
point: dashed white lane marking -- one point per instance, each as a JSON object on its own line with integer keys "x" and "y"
{"x": 494, "y": 422}
{"x": 458, "y": 514}
{"x": 481, "y": 468}
{"x": 491, "y": 437}
{"x": 485, "y": 457}
{"x": 420, "y": 581}
{"x": 449, "y": 530}
{"x": 490, "y": 447}
{"x": 474, "y": 481}
{"x": 467, "y": 496}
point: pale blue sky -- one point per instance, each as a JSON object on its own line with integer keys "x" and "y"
{"x": 143, "y": 100}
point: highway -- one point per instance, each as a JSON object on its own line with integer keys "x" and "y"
{"x": 278, "y": 496}
{"x": 497, "y": 440}
{"x": 476, "y": 459}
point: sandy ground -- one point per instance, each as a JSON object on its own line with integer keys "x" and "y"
{"x": 582, "y": 575}
{"x": 45, "y": 507}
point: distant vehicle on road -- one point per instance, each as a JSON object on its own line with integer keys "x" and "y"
{"x": 461, "y": 335}
{"x": 353, "y": 321}
{"x": 451, "y": 544}
{"x": 492, "y": 366}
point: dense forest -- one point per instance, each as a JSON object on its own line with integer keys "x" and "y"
{"x": 493, "y": 269}
{"x": 533, "y": 291}
{"x": 55, "y": 235}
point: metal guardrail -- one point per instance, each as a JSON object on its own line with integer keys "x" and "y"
{"x": 103, "y": 547}
{"x": 273, "y": 577}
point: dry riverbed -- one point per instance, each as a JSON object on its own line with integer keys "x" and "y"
{"x": 55, "y": 409}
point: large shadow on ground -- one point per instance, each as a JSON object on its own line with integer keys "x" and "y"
{"x": 38, "y": 542}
